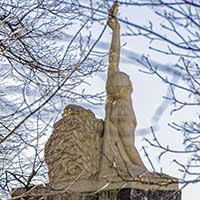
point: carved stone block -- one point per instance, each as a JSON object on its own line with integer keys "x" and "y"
{"x": 117, "y": 194}
{"x": 74, "y": 148}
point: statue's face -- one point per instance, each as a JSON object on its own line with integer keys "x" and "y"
{"x": 119, "y": 85}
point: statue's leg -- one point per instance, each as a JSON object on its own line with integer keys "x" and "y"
{"x": 132, "y": 152}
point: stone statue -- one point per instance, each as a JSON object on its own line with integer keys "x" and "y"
{"x": 86, "y": 154}
{"x": 89, "y": 158}
{"x": 120, "y": 121}
{"x": 83, "y": 144}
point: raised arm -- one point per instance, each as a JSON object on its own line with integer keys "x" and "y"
{"x": 114, "y": 55}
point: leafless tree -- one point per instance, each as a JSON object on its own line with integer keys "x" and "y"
{"x": 46, "y": 54}
{"x": 47, "y": 51}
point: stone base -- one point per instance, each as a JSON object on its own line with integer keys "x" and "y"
{"x": 148, "y": 180}
{"x": 147, "y": 186}
{"x": 134, "y": 194}
{"x": 123, "y": 194}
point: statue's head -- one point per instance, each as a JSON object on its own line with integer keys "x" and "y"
{"x": 119, "y": 84}
{"x": 75, "y": 110}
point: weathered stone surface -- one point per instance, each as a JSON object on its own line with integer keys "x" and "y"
{"x": 123, "y": 194}
{"x": 134, "y": 194}
{"x": 74, "y": 148}
{"x": 118, "y": 194}
{"x": 74, "y": 154}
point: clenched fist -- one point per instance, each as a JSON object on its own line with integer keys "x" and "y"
{"x": 112, "y": 20}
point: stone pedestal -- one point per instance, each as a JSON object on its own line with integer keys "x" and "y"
{"x": 149, "y": 186}
{"x": 124, "y": 194}
{"x": 135, "y": 194}
{"x": 117, "y": 194}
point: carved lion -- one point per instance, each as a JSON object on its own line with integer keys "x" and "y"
{"x": 74, "y": 148}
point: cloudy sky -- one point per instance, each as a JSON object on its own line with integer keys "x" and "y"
{"x": 149, "y": 91}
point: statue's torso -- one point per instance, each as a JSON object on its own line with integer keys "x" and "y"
{"x": 121, "y": 111}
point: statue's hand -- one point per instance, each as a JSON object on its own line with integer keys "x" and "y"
{"x": 112, "y": 20}
{"x": 114, "y": 9}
